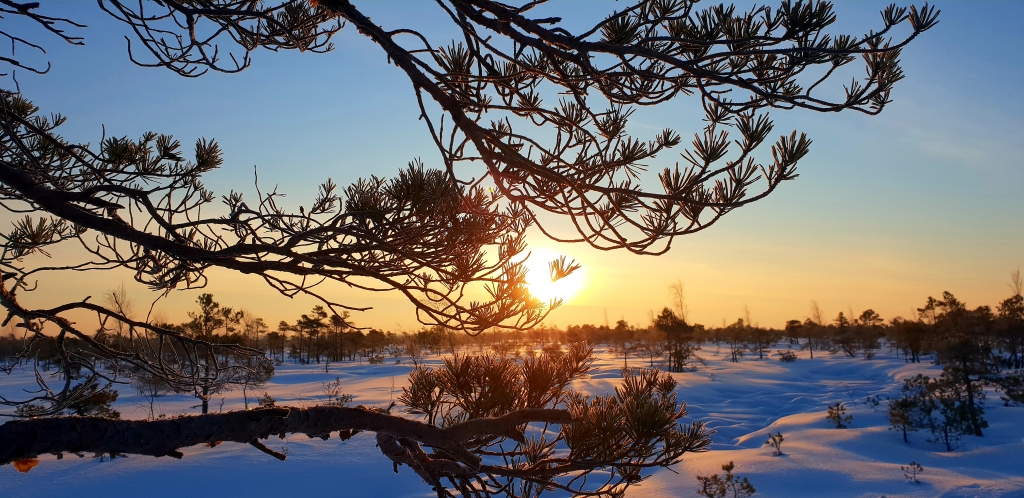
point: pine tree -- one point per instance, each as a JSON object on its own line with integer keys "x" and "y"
{"x": 725, "y": 486}
{"x": 680, "y": 345}
{"x": 91, "y": 400}
{"x": 837, "y": 415}
{"x": 964, "y": 347}
{"x": 532, "y": 124}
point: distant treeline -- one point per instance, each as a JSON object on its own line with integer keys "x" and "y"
{"x": 669, "y": 341}
{"x": 979, "y": 349}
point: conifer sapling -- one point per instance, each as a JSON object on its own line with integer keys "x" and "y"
{"x": 911, "y": 470}
{"x": 775, "y": 441}
{"x": 837, "y": 415}
{"x": 726, "y": 485}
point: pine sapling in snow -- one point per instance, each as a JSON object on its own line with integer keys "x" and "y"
{"x": 95, "y": 401}
{"x": 787, "y": 357}
{"x": 775, "y": 441}
{"x": 1012, "y": 385}
{"x": 938, "y": 405}
{"x": 333, "y": 395}
{"x": 837, "y": 415}
{"x": 89, "y": 400}
{"x": 912, "y": 411}
{"x": 266, "y": 401}
{"x": 911, "y": 470}
{"x": 726, "y": 485}
{"x": 905, "y": 415}
{"x": 957, "y": 416}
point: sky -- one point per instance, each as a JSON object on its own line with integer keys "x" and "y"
{"x": 887, "y": 210}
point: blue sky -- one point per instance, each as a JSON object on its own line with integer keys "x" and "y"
{"x": 887, "y": 210}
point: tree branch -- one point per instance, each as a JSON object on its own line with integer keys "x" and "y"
{"x": 21, "y": 439}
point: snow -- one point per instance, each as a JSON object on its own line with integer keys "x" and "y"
{"x": 743, "y": 402}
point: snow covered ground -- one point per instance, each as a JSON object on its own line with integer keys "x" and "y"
{"x": 743, "y": 401}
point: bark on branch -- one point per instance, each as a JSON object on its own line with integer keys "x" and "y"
{"x": 21, "y": 439}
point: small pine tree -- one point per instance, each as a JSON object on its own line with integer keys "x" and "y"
{"x": 266, "y": 401}
{"x": 30, "y": 410}
{"x": 957, "y": 417}
{"x": 938, "y": 405}
{"x": 911, "y": 470}
{"x": 726, "y": 485}
{"x": 333, "y": 394}
{"x": 92, "y": 401}
{"x": 1012, "y": 385}
{"x": 775, "y": 441}
{"x": 912, "y": 410}
{"x": 903, "y": 415}
{"x": 837, "y": 415}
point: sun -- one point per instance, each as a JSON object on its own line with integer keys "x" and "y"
{"x": 538, "y": 278}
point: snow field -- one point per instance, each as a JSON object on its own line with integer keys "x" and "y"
{"x": 743, "y": 402}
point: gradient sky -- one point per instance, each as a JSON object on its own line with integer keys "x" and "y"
{"x": 887, "y": 211}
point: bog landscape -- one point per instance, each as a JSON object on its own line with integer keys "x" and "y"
{"x": 467, "y": 248}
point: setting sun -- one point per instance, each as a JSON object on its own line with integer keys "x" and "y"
{"x": 538, "y": 277}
